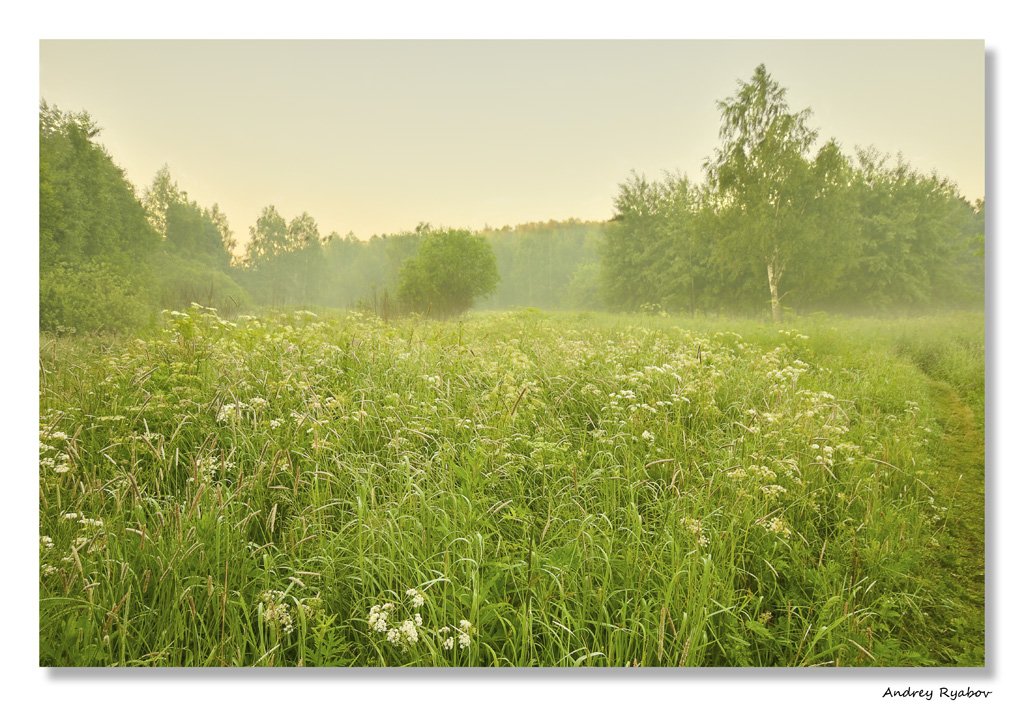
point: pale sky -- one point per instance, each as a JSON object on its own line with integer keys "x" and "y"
{"x": 377, "y": 136}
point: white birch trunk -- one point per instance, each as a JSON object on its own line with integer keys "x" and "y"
{"x": 773, "y": 287}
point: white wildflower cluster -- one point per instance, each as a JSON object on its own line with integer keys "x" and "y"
{"x": 378, "y": 618}
{"x": 407, "y": 628}
{"x": 755, "y": 471}
{"x": 791, "y": 470}
{"x": 849, "y": 450}
{"x": 937, "y": 510}
{"x": 209, "y": 466}
{"x": 111, "y": 418}
{"x": 231, "y": 411}
{"x": 825, "y": 454}
{"x": 775, "y": 525}
{"x": 149, "y": 437}
{"x": 782, "y": 374}
{"x": 46, "y": 542}
{"x": 415, "y": 597}
{"x": 772, "y": 491}
{"x": 60, "y": 460}
{"x": 450, "y": 634}
{"x": 696, "y": 528}
{"x": 405, "y": 635}
{"x": 240, "y": 410}
{"x": 276, "y": 611}
{"x": 621, "y": 396}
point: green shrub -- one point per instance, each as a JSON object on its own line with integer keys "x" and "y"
{"x": 92, "y": 298}
{"x": 181, "y": 282}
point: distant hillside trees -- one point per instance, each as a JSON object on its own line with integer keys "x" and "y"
{"x": 194, "y": 260}
{"x": 549, "y": 265}
{"x": 553, "y": 265}
{"x": 919, "y": 239}
{"x": 284, "y": 263}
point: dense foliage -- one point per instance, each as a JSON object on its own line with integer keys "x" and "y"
{"x": 96, "y": 248}
{"x": 778, "y": 224}
{"x": 107, "y": 259}
{"x": 450, "y": 270}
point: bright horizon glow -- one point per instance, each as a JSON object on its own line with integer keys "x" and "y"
{"x": 375, "y": 137}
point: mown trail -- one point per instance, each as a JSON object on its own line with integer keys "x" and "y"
{"x": 962, "y": 553}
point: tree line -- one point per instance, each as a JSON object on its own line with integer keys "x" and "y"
{"x": 777, "y": 223}
{"x": 111, "y": 258}
{"x": 108, "y": 257}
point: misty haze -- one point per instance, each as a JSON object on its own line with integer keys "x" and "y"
{"x": 512, "y": 353}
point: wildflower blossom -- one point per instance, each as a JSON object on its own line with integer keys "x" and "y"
{"x": 417, "y": 598}
{"x": 464, "y": 629}
{"x": 409, "y": 633}
{"x": 694, "y": 527}
{"x": 378, "y": 618}
{"x": 275, "y": 611}
{"x": 776, "y": 525}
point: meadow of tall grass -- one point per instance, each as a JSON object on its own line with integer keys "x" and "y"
{"x": 516, "y": 489}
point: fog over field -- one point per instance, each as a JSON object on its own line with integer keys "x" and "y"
{"x": 365, "y": 353}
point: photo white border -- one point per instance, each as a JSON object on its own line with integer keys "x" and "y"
{"x": 873, "y": 19}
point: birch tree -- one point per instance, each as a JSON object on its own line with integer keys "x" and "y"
{"x": 761, "y": 181}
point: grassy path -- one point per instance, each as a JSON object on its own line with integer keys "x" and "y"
{"x": 961, "y": 613}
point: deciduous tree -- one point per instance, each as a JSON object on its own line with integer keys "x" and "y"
{"x": 451, "y": 269}
{"x": 761, "y": 182}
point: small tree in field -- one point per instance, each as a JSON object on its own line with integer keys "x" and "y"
{"x": 450, "y": 270}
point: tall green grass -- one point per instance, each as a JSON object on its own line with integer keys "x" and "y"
{"x": 558, "y": 490}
